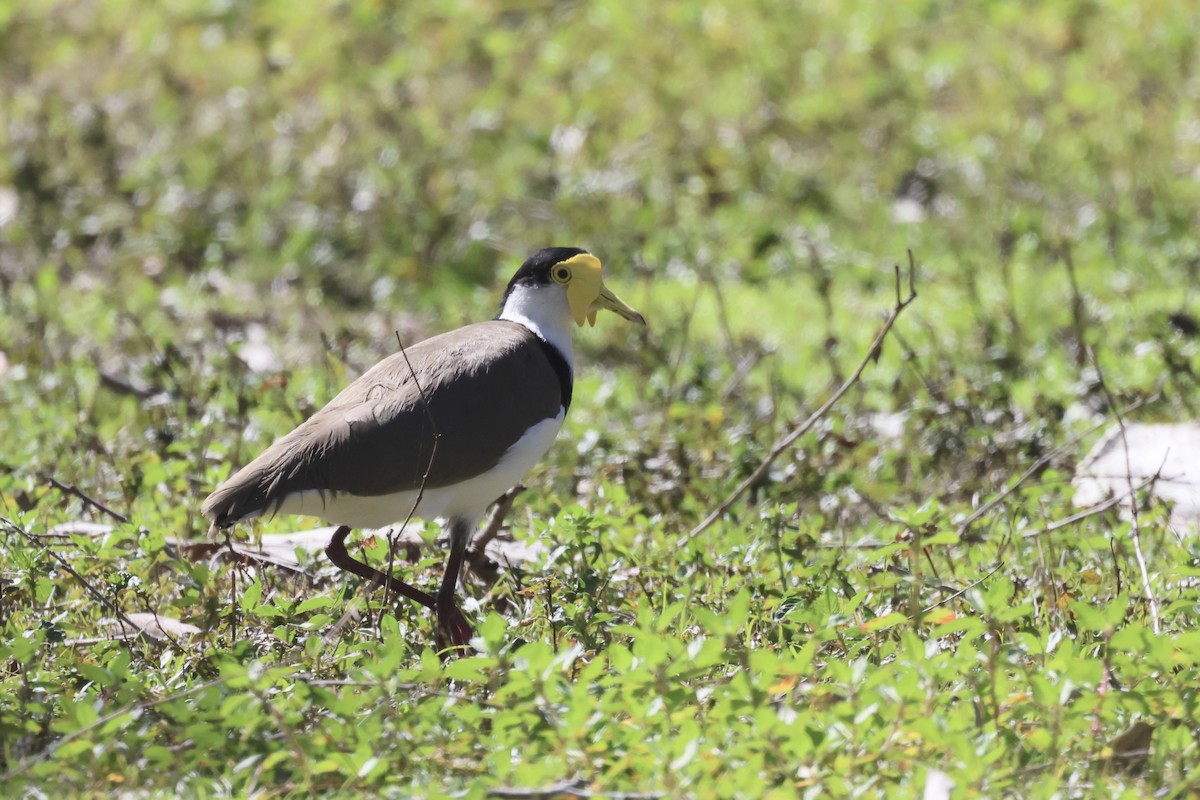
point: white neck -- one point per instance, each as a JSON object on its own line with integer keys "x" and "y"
{"x": 543, "y": 310}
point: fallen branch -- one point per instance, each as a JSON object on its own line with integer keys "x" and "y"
{"x": 783, "y": 444}
{"x": 91, "y": 501}
{"x": 568, "y": 787}
{"x": 1090, "y": 511}
{"x": 477, "y": 557}
{"x": 48, "y": 752}
{"x": 62, "y": 562}
{"x": 386, "y": 577}
{"x": 1135, "y": 525}
{"x": 1036, "y": 466}
{"x": 963, "y": 590}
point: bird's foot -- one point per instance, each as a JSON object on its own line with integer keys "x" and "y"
{"x": 453, "y": 630}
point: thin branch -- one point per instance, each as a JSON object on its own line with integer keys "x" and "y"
{"x": 1078, "y": 310}
{"x": 91, "y": 501}
{"x": 568, "y": 787}
{"x": 1036, "y": 467}
{"x": 783, "y": 444}
{"x": 964, "y": 590}
{"x": 37, "y": 758}
{"x": 500, "y": 510}
{"x": 1135, "y": 524}
{"x": 437, "y": 435}
{"x": 234, "y": 606}
{"x": 1090, "y": 511}
{"x": 743, "y": 369}
{"x": 675, "y": 363}
{"x": 62, "y": 562}
{"x": 824, "y": 286}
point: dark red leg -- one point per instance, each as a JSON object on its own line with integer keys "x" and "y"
{"x": 449, "y": 619}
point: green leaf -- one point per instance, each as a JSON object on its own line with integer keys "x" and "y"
{"x": 314, "y": 603}
{"x": 883, "y": 623}
{"x": 251, "y": 596}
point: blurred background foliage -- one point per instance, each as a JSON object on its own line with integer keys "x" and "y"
{"x": 353, "y": 141}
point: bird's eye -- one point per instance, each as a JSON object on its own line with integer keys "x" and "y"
{"x": 561, "y": 274}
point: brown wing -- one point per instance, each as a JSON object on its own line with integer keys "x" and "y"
{"x": 484, "y": 384}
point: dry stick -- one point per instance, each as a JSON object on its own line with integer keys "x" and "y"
{"x": 824, "y": 283}
{"x": 964, "y": 590}
{"x": 569, "y": 787}
{"x": 1041, "y": 462}
{"x": 1135, "y": 526}
{"x": 162, "y": 628}
{"x": 381, "y": 578}
{"x": 233, "y": 576}
{"x": 36, "y": 758}
{"x": 484, "y": 569}
{"x": 913, "y": 362}
{"x": 91, "y": 501}
{"x": 496, "y": 520}
{"x": 747, "y": 364}
{"x": 786, "y": 442}
{"x": 1090, "y": 511}
{"x": 676, "y": 363}
{"x": 1078, "y": 321}
{"x": 437, "y": 435}
{"x": 722, "y": 314}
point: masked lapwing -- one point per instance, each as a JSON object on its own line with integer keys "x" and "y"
{"x": 439, "y": 430}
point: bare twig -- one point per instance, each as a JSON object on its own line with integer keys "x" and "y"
{"x": 1078, "y": 312}
{"x": 233, "y": 576}
{"x": 62, "y": 562}
{"x": 91, "y": 501}
{"x": 722, "y": 312}
{"x": 1034, "y": 468}
{"x": 437, "y": 435}
{"x": 495, "y": 521}
{"x": 744, "y": 367}
{"x": 783, "y": 444}
{"x": 824, "y": 282}
{"x": 37, "y": 758}
{"x": 675, "y": 362}
{"x": 1135, "y": 522}
{"x": 964, "y": 590}
{"x": 1090, "y": 511}
{"x": 568, "y": 787}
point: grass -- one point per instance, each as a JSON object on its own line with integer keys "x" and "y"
{"x": 184, "y": 182}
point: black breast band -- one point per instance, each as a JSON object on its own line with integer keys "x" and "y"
{"x": 561, "y": 368}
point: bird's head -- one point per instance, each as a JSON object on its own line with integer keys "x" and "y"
{"x": 579, "y": 273}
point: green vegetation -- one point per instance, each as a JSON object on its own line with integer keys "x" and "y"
{"x": 185, "y": 182}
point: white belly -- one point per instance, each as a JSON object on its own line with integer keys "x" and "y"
{"x": 466, "y": 500}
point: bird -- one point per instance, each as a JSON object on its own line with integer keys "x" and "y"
{"x": 440, "y": 429}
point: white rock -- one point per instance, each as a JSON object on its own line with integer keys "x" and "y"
{"x": 1171, "y": 451}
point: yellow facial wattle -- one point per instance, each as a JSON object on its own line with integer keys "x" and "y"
{"x": 587, "y": 294}
{"x": 585, "y": 285}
